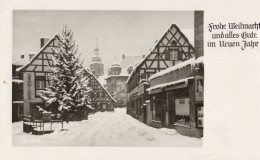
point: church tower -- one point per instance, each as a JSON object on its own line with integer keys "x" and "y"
{"x": 96, "y": 66}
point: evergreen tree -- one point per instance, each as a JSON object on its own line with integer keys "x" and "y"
{"x": 68, "y": 90}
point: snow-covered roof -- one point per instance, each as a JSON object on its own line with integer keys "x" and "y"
{"x": 116, "y": 65}
{"x": 18, "y": 101}
{"x": 34, "y": 57}
{"x": 20, "y": 62}
{"x": 147, "y": 101}
{"x": 94, "y": 62}
{"x": 136, "y": 63}
{"x": 188, "y": 37}
{"x": 191, "y": 61}
{"x": 18, "y": 69}
{"x": 185, "y": 80}
{"x": 129, "y": 60}
{"x": 116, "y": 76}
{"x": 17, "y": 81}
{"x": 123, "y": 73}
{"x": 96, "y": 56}
{"x": 143, "y": 80}
{"x": 102, "y": 79}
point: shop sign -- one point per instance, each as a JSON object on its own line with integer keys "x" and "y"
{"x": 199, "y": 88}
{"x": 29, "y": 84}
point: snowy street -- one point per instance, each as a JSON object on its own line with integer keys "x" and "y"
{"x": 105, "y": 129}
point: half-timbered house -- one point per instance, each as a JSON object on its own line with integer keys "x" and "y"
{"x": 172, "y": 48}
{"x": 35, "y": 78}
{"x": 17, "y": 90}
{"x": 101, "y": 100}
{"x": 176, "y": 93}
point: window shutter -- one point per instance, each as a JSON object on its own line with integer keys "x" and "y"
{"x": 167, "y": 55}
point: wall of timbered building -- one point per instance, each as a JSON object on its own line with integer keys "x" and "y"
{"x": 101, "y": 100}
{"x": 171, "y": 49}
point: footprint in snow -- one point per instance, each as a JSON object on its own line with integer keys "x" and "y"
{"x": 141, "y": 132}
{"x": 131, "y": 128}
{"x": 150, "y": 138}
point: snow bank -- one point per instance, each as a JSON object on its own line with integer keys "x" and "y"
{"x": 104, "y": 129}
{"x": 168, "y": 131}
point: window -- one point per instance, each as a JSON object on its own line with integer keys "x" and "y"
{"x": 101, "y": 94}
{"x": 174, "y": 54}
{"x": 143, "y": 76}
{"x": 21, "y": 110}
{"x": 39, "y": 86}
{"x": 158, "y": 114}
{"x": 167, "y": 55}
{"x": 132, "y": 105}
{"x": 40, "y": 79}
{"x": 182, "y": 111}
{"x": 104, "y": 106}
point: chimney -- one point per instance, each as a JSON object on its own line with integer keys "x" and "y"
{"x": 123, "y": 56}
{"x": 22, "y": 56}
{"x": 198, "y": 33}
{"x": 43, "y": 41}
{"x": 31, "y": 54}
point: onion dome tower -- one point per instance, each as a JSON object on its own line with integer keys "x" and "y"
{"x": 115, "y": 69}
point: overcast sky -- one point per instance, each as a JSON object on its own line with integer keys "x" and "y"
{"x": 118, "y": 32}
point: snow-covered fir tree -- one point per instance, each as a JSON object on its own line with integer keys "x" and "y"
{"x": 68, "y": 90}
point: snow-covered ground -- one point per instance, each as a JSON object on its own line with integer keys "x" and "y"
{"x": 105, "y": 129}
